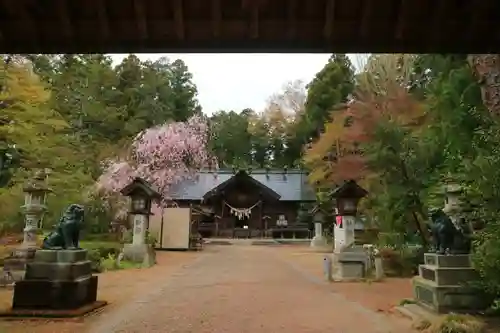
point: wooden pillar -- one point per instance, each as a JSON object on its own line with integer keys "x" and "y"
{"x": 261, "y": 207}
{"x": 222, "y": 214}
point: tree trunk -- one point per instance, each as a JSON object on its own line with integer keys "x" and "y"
{"x": 486, "y": 68}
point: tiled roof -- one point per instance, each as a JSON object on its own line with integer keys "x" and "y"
{"x": 291, "y": 186}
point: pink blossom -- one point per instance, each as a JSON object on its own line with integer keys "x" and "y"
{"x": 163, "y": 155}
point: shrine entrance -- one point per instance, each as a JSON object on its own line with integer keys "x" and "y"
{"x": 240, "y": 203}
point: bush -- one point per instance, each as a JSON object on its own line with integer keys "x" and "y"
{"x": 95, "y": 260}
{"x": 454, "y": 323}
{"x": 402, "y": 262}
{"x": 97, "y": 251}
{"x": 104, "y": 252}
{"x": 110, "y": 263}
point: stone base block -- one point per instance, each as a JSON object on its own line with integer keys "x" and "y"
{"x": 446, "y": 260}
{"x": 144, "y": 254}
{"x": 58, "y": 271}
{"x": 60, "y": 256}
{"x": 349, "y": 271}
{"x": 16, "y": 263}
{"x": 319, "y": 242}
{"x": 444, "y": 299}
{"x": 21, "y": 314}
{"x": 448, "y": 276}
{"x": 54, "y": 295}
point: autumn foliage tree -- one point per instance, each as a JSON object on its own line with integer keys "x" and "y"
{"x": 371, "y": 139}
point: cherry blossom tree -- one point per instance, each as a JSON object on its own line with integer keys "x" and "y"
{"x": 163, "y": 155}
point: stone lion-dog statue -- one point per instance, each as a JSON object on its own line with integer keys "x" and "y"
{"x": 67, "y": 233}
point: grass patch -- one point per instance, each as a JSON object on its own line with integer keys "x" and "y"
{"x": 406, "y": 301}
{"x": 455, "y": 323}
{"x": 91, "y": 245}
{"x": 111, "y": 264}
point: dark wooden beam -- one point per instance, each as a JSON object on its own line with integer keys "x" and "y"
{"x": 18, "y": 9}
{"x": 63, "y": 13}
{"x": 103, "y": 19}
{"x": 366, "y": 11}
{"x": 329, "y": 19}
{"x": 179, "y": 19}
{"x": 402, "y": 18}
{"x": 216, "y": 17}
{"x": 478, "y": 9}
{"x": 292, "y": 18}
{"x": 140, "y": 15}
{"x": 253, "y": 6}
{"x": 254, "y": 22}
{"x": 439, "y": 23}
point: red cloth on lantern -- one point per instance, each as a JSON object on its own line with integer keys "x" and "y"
{"x": 338, "y": 220}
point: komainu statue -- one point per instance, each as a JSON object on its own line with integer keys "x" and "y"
{"x": 449, "y": 237}
{"x": 67, "y": 232}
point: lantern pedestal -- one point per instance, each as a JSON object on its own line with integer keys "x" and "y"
{"x": 139, "y": 251}
{"x": 350, "y": 261}
{"x": 318, "y": 241}
{"x": 144, "y": 254}
{"x": 15, "y": 265}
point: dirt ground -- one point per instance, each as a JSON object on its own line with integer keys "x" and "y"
{"x": 232, "y": 289}
{"x": 116, "y": 287}
{"x": 379, "y": 296}
{"x": 245, "y": 289}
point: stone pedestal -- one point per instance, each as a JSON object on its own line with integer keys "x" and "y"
{"x": 350, "y": 264}
{"x": 56, "y": 280}
{"x": 318, "y": 241}
{"x": 16, "y": 263}
{"x": 140, "y": 253}
{"x": 441, "y": 285}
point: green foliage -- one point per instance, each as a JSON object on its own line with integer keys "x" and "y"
{"x": 457, "y": 323}
{"x": 151, "y": 239}
{"x": 95, "y": 260}
{"x": 331, "y": 86}
{"x": 70, "y": 112}
{"x": 100, "y": 250}
{"x": 403, "y": 261}
{"x": 230, "y": 139}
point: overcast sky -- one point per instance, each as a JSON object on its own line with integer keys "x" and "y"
{"x": 239, "y": 81}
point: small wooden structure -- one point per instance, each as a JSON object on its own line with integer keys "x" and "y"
{"x": 347, "y": 26}
{"x": 174, "y": 229}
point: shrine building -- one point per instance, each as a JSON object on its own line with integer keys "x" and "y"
{"x": 246, "y": 204}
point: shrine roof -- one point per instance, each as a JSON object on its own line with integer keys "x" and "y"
{"x": 291, "y": 186}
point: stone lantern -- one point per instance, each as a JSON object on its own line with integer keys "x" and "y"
{"x": 34, "y": 208}
{"x": 347, "y": 197}
{"x": 141, "y": 194}
{"x": 319, "y": 240}
{"x": 350, "y": 262}
{"x": 453, "y": 200}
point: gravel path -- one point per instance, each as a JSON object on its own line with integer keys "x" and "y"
{"x": 244, "y": 289}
